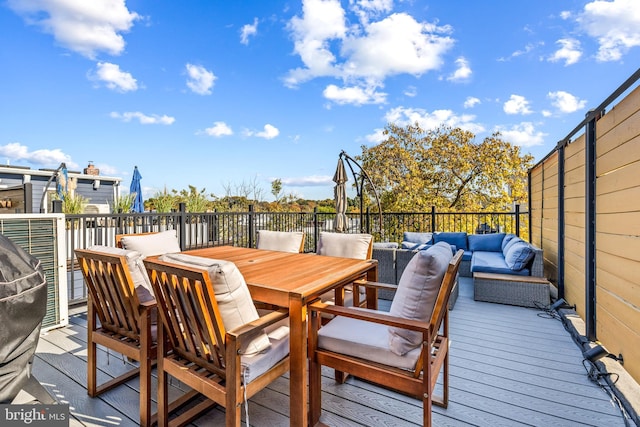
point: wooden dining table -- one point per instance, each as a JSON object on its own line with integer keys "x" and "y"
{"x": 292, "y": 280}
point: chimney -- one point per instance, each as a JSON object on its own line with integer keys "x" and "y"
{"x": 91, "y": 170}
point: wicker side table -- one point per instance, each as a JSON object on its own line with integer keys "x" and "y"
{"x": 524, "y": 291}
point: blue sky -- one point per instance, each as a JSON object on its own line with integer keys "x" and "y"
{"x": 230, "y": 94}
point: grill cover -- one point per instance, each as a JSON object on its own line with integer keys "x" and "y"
{"x": 23, "y": 305}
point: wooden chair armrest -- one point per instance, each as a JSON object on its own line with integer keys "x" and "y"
{"x": 376, "y": 285}
{"x": 148, "y": 304}
{"x": 370, "y": 316}
{"x": 255, "y": 327}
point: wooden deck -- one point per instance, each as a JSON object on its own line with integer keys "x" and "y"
{"x": 509, "y": 367}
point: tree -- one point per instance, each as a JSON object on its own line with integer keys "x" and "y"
{"x": 414, "y": 169}
{"x": 276, "y": 189}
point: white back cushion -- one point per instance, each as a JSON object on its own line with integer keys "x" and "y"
{"x": 417, "y": 292}
{"x": 344, "y": 245}
{"x": 152, "y": 244}
{"x": 231, "y": 293}
{"x": 136, "y": 269}
{"x": 284, "y": 241}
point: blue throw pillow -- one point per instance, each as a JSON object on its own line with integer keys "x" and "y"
{"x": 457, "y": 239}
{"x": 518, "y": 255}
{"x": 486, "y": 242}
{"x": 513, "y": 241}
{"x": 507, "y": 239}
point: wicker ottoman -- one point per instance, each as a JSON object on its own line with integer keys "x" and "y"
{"x": 525, "y": 291}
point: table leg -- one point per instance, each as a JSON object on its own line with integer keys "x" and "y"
{"x": 298, "y": 376}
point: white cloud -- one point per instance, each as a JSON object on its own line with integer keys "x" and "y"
{"x": 527, "y": 49}
{"x": 566, "y": 102}
{"x": 268, "y": 132}
{"x": 411, "y": 91}
{"x": 569, "y": 52}
{"x": 219, "y": 129}
{"x": 523, "y": 134}
{"x": 615, "y": 24}
{"x": 142, "y": 118}
{"x": 365, "y": 53}
{"x": 402, "y": 116}
{"x": 565, "y": 14}
{"x": 517, "y": 104}
{"x": 248, "y": 30}
{"x": 463, "y": 72}
{"x": 86, "y": 27}
{"x": 113, "y": 77}
{"x": 15, "y": 151}
{"x": 200, "y": 80}
{"x": 471, "y": 102}
{"x": 309, "y": 181}
{"x": 354, "y": 95}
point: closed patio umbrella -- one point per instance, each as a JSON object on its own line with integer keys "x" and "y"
{"x": 136, "y": 188}
{"x": 340, "y": 196}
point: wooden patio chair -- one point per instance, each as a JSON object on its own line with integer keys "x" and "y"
{"x": 285, "y": 241}
{"x": 219, "y": 344}
{"x": 404, "y": 349}
{"x": 358, "y": 246}
{"x": 126, "y": 310}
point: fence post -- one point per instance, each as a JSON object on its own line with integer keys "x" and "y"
{"x": 590, "y": 227}
{"x": 251, "y": 225}
{"x": 182, "y": 225}
{"x": 433, "y": 219}
{"x": 316, "y": 231}
{"x": 517, "y": 211}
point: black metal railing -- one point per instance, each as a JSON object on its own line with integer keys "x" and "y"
{"x": 199, "y": 230}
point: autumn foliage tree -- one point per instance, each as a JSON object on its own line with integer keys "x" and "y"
{"x": 414, "y": 169}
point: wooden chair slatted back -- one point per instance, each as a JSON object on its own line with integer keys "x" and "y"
{"x": 112, "y": 292}
{"x": 189, "y": 312}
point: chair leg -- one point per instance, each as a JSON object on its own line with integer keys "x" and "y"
{"x": 163, "y": 395}
{"x": 145, "y": 369}
{"x": 315, "y": 372}
{"x": 91, "y": 351}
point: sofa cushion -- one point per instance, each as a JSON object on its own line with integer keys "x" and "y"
{"x": 493, "y": 262}
{"x": 507, "y": 239}
{"x": 466, "y": 256}
{"x": 153, "y": 243}
{"x": 416, "y": 294}
{"x": 518, "y": 255}
{"x": 486, "y": 242}
{"x": 137, "y": 270}
{"x": 231, "y": 293}
{"x": 284, "y": 241}
{"x": 457, "y": 239}
{"x": 417, "y": 237}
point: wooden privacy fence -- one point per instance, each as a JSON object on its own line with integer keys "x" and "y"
{"x": 585, "y": 215}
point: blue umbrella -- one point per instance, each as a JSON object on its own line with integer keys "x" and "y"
{"x": 135, "y": 188}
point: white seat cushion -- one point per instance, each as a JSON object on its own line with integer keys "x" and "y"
{"x": 417, "y": 292}
{"x": 231, "y": 293}
{"x": 344, "y": 245}
{"x": 366, "y": 340}
{"x": 137, "y": 270}
{"x": 257, "y": 364}
{"x": 283, "y": 241}
{"x": 152, "y": 244}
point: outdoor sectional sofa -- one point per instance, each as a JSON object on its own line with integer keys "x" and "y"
{"x": 505, "y": 268}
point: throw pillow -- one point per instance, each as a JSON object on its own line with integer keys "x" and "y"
{"x": 152, "y": 244}
{"x": 518, "y": 255}
{"x": 506, "y": 240}
{"x": 416, "y": 294}
{"x": 231, "y": 292}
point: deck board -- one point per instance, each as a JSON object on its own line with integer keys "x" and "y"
{"x": 509, "y": 366}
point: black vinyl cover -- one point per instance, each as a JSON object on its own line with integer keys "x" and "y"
{"x": 23, "y": 305}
